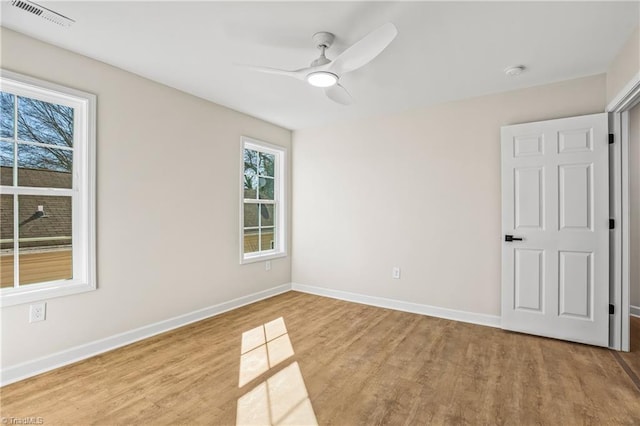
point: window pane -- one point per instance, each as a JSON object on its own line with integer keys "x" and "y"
{"x": 268, "y": 239}
{"x": 250, "y": 174}
{"x": 6, "y": 268}
{"x": 250, "y": 185}
{"x": 45, "y": 238}
{"x": 251, "y": 160}
{"x": 266, "y": 188}
{"x": 250, "y": 240}
{"x": 6, "y": 240}
{"x": 266, "y": 214}
{"x": 250, "y": 215}
{"x": 43, "y": 122}
{"x": 44, "y": 167}
{"x": 7, "y": 115}
{"x": 267, "y": 164}
{"x": 6, "y": 163}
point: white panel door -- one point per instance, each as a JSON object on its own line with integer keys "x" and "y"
{"x": 555, "y": 211}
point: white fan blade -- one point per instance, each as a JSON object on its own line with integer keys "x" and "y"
{"x": 299, "y": 74}
{"x": 364, "y": 50}
{"x": 339, "y": 94}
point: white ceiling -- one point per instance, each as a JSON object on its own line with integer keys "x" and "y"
{"x": 444, "y": 51}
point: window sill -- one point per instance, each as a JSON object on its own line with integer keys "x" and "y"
{"x": 262, "y": 258}
{"x": 9, "y": 297}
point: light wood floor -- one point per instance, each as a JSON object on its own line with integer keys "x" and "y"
{"x": 361, "y": 365}
{"x": 632, "y": 358}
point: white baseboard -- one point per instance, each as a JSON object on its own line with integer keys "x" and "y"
{"x": 31, "y": 368}
{"x": 399, "y": 305}
{"x": 634, "y": 311}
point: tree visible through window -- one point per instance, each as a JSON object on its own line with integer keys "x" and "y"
{"x": 41, "y": 140}
{"x": 261, "y": 200}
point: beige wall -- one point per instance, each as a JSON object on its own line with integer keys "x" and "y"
{"x": 168, "y": 179}
{"x": 419, "y": 190}
{"x": 634, "y": 204}
{"x": 625, "y": 66}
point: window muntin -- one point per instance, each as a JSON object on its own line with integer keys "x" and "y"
{"x": 47, "y": 210}
{"x": 262, "y": 213}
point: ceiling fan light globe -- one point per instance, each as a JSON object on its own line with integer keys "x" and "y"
{"x": 322, "y": 79}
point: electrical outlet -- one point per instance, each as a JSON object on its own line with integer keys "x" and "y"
{"x": 37, "y": 312}
{"x": 267, "y": 265}
{"x": 395, "y": 273}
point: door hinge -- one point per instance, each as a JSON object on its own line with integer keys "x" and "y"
{"x": 610, "y": 138}
{"x": 612, "y": 224}
{"x": 612, "y": 309}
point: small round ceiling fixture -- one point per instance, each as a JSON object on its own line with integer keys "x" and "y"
{"x": 514, "y": 71}
{"x": 322, "y": 79}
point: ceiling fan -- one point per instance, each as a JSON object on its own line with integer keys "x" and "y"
{"x": 326, "y": 73}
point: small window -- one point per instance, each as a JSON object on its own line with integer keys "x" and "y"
{"x": 262, "y": 214}
{"x": 47, "y": 156}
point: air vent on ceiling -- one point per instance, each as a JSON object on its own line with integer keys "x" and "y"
{"x": 43, "y": 12}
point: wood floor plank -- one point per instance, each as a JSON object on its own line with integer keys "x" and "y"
{"x": 361, "y": 365}
{"x": 631, "y": 358}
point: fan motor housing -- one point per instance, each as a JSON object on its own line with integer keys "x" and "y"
{"x": 323, "y": 39}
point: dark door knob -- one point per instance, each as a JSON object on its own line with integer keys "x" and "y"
{"x": 509, "y": 238}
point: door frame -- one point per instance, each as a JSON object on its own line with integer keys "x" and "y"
{"x": 618, "y": 109}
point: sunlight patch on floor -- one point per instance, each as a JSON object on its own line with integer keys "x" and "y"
{"x": 263, "y": 348}
{"x": 282, "y": 399}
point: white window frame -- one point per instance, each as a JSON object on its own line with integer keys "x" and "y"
{"x": 280, "y": 200}
{"x": 82, "y": 192}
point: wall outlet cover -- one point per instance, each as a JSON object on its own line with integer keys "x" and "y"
{"x": 37, "y": 312}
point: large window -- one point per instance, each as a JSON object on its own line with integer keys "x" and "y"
{"x": 262, "y": 214}
{"x": 47, "y": 185}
